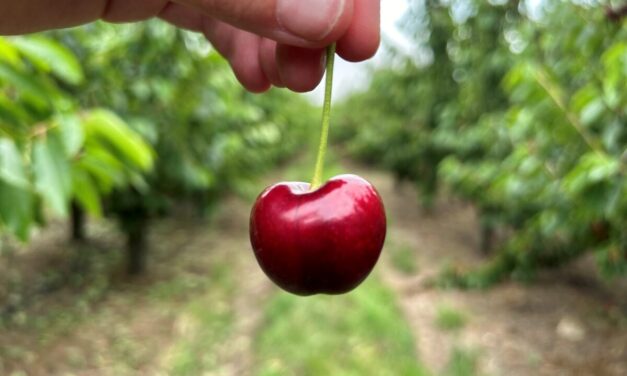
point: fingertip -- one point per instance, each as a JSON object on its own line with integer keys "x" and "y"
{"x": 259, "y": 87}
{"x": 300, "y": 69}
{"x": 358, "y": 48}
{"x": 246, "y": 65}
{"x": 362, "y": 38}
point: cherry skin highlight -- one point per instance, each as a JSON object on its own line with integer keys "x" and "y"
{"x": 323, "y": 241}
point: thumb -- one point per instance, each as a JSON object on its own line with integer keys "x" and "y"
{"x": 304, "y": 23}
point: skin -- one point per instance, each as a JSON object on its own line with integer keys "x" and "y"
{"x": 267, "y": 42}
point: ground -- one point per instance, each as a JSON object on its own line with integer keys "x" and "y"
{"x": 206, "y": 308}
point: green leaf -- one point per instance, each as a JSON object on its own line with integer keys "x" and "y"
{"x": 16, "y": 209}
{"x": 11, "y": 164}
{"x": 103, "y": 167}
{"x": 590, "y": 169}
{"x": 27, "y": 84}
{"x": 592, "y": 111}
{"x": 8, "y": 53}
{"x": 72, "y": 134}
{"x": 11, "y": 113}
{"x": 613, "y": 205}
{"x": 51, "y": 57}
{"x": 52, "y": 173}
{"x": 86, "y": 192}
{"x": 105, "y": 127}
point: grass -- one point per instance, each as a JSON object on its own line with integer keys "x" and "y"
{"x": 179, "y": 288}
{"x": 403, "y": 259}
{"x": 361, "y": 333}
{"x": 203, "y": 324}
{"x": 463, "y": 362}
{"x": 450, "y": 319}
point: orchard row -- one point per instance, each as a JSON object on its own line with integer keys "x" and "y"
{"x": 521, "y": 111}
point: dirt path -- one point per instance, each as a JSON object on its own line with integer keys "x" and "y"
{"x": 148, "y": 325}
{"x": 566, "y": 323}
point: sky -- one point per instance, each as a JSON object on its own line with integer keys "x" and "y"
{"x": 348, "y": 77}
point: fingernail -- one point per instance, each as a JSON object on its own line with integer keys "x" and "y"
{"x": 309, "y": 19}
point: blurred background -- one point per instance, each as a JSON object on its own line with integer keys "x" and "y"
{"x": 495, "y": 131}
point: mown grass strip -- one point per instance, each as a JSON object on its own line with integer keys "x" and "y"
{"x": 361, "y": 333}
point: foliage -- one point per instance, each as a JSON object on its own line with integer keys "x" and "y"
{"x": 209, "y": 134}
{"x": 52, "y": 150}
{"x": 149, "y": 117}
{"x": 521, "y": 111}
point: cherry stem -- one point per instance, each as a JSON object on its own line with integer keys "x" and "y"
{"x": 316, "y": 182}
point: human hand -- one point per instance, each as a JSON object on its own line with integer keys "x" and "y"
{"x": 267, "y": 42}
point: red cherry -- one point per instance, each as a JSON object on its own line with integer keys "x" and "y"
{"x": 321, "y": 241}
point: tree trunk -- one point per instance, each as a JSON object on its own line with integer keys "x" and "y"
{"x": 136, "y": 244}
{"x": 487, "y": 238}
{"x": 78, "y": 223}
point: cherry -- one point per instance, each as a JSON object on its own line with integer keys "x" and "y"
{"x": 321, "y": 241}
{"x": 319, "y": 238}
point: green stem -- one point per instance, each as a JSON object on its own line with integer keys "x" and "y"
{"x": 316, "y": 182}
